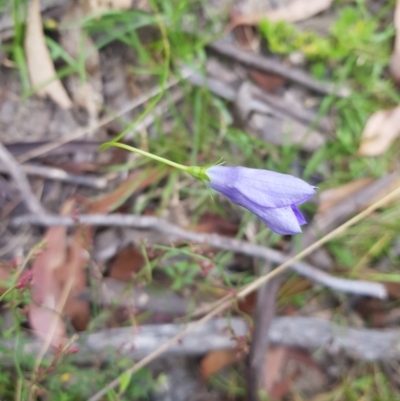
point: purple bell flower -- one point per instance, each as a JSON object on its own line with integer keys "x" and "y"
{"x": 271, "y": 196}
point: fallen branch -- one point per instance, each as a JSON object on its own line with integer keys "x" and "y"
{"x": 19, "y": 177}
{"x": 304, "y": 332}
{"x": 121, "y": 294}
{"x": 261, "y": 101}
{"x": 282, "y": 107}
{"x": 52, "y": 173}
{"x": 176, "y": 233}
{"x": 137, "y": 342}
{"x": 263, "y": 63}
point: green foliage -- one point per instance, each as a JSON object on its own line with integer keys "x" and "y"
{"x": 72, "y": 383}
{"x": 352, "y": 34}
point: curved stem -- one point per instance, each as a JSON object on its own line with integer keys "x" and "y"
{"x": 147, "y": 154}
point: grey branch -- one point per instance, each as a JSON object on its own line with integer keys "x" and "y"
{"x": 262, "y": 63}
{"x": 19, "y": 177}
{"x": 118, "y": 293}
{"x": 305, "y": 332}
{"x": 176, "y": 233}
{"x": 57, "y": 174}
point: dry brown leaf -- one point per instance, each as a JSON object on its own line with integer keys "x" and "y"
{"x": 40, "y": 66}
{"x": 288, "y": 368}
{"x": 46, "y": 287}
{"x": 294, "y": 287}
{"x": 136, "y": 181}
{"x": 276, "y": 358}
{"x": 75, "y": 269}
{"x": 395, "y": 59}
{"x": 393, "y": 289}
{"x": 213, "y": 223}
{"x": 214, "y": 361}
{"x": 127, "y": 263}
{"x": 297, "y": 10}
{"x": 268, "y": 82}
{"x": 331, "y": 197}
{"x": 381, "y": 130}
{"x": 89, "y": 94}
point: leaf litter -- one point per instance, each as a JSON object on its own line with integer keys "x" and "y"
{"x": 61, "y": 268}
{"x": 40, "y": 66}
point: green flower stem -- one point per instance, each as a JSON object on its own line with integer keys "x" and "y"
{"x": 195, "y": 171}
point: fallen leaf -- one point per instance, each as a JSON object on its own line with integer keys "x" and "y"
{"x": 381, "y": 130}
{"x": 293, "y": 287}
{"x": 289, "y": 368}
{"x": 40, "y": 66}
{"x": 88, "y": 94}
{"x": 78, "y": 167}
{"x": 296, "y": 10}
{"x": 395, "y": 59}
{"x": 373, "y": 311}
{"x": 274, "y": 362}
{"x": 127, "y": 263}
{"x": 246, "y": 37}
{"x": 75, "y": 270}
{"x": 212, "y": 223}
{"x": 214, "y": 361}
{"x": 333, "y": 196}
{"x": 393, "y": 289}
{"x": 46, "y": 287}
{"x": 136, "y": 181}
{"x": 268, "y": 82}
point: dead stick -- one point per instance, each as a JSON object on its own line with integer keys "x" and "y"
{"x": 265, "y": 64}
{"x": 295, "y": 331}
{"x": 21, "y": 182}
{"x": 177, "y": 233}
{"x": 57, "y": 174}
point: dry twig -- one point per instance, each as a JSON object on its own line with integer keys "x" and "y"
{"x": 21, "y": 182}
{"x": 121, "y": 294}
{"x": 265, "y": 64}
{"x": 296, "y": 331}
{"x": 176, "y": 233}
{"x": 52, "y": 173}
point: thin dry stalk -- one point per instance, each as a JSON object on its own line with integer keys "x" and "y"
{"x": 21, "y": 181}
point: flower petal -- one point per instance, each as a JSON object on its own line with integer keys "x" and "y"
{"x": 263, "y": 187}
{"x": 282, "y": 221}
{"x": 299, "y": 215}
